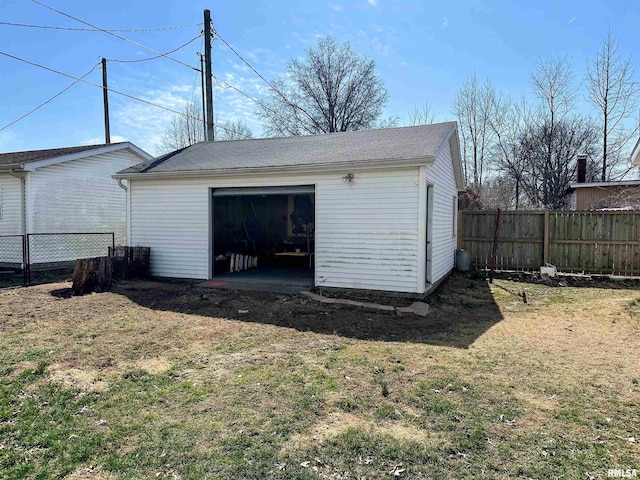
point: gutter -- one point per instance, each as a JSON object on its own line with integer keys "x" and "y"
{"x": 332, "y": 167}
{"x": 23, "y": 194}
{"x": 121, "y": 185}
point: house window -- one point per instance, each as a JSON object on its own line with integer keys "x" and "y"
{"x": 455, "y": 215}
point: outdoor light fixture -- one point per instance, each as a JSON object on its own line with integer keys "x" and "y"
{"x": 349, "y": 178}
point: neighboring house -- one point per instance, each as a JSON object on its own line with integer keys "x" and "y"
{"x": 369, "y": 209}
{"x": 583, "y": 195}
{"x": 623, "y": 194}
{"x": 64, "y": 190}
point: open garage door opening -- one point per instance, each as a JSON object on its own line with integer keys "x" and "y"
{"x": 264, "y": 235}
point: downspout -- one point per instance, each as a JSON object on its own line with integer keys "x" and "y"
{"x": 23, "y": 193}
{"x": 127, "y": 227}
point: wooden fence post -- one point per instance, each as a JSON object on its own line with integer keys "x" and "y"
{"x": 545, "y": 250}
{"x": 460, "y": 228}
{"x": 494, "y": 250}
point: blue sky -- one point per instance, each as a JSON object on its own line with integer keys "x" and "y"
{"x": 423, "y": 51}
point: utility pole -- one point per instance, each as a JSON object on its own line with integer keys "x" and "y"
{"x": 208, "y": 78}
{"x": 105, "y": 100}
{"x": 204, "y": 108}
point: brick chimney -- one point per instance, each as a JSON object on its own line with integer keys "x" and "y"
{"x": 582, "y": 168}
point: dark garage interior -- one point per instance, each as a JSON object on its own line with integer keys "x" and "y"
{"x": 264, "y": 232}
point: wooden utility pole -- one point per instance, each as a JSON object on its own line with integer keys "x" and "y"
{"x": 105, "y": 100}
{"x": 204, "y": 108}
{"x": 208, "y": 76}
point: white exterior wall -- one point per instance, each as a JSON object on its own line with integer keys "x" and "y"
{"x": 10, "y": 205}
{"x": 79, "y": 196}
{"x": 445, "y": 193}
{"x": 367, "y": 233}
{"x": 10, "y": 219}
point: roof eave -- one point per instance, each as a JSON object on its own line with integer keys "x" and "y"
{"x": 334, "y": 166}
{"x": 9, "y": 167}
{"x": 622, "y": 183}
{"x": 137, "y": 151}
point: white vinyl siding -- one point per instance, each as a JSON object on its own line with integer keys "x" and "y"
{"x": 440, "y": 175}
{"x": 79, "y": 196}
{"x": 366, "y": 232}
{"x": 10, "y": 205}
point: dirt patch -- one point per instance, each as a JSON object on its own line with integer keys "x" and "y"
{"x": 86, "y": 380}
{"x": 339, "y": 422}
{"x": 153, "y": 366}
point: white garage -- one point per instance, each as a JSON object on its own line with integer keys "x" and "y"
{"x": 368, "y": 210}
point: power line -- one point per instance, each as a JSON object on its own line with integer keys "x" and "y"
{"x": 115, "y": 35}
{"x": 245, "y": 62}
{"x": 74, "y": 29}
{"x": 50, "y": 99}
{"x": 117, "y": 92}
{"x": 157, "y": 56}
{"x": 229, "y": 86}
{"x": 277, "y": 90}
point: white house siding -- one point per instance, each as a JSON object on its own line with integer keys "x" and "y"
{"x": 366, "y": 233}
{"x": 76, "y": 196}
{"x": 10, "y": 205}
{"x": 440, "y": 175}
{"x": 10, "y": 219}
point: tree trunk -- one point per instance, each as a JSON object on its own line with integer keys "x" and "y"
{"x": 92, "y": 275}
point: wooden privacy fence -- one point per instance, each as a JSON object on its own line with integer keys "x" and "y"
{"x": 577, "y": 242}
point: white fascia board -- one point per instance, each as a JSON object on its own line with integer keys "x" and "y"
{"x": 327, "y": 167}
{"x": 635, "y": 156}
{"x": 32, "y": 166}
{"x": 621, "y": 183}
{"x": 456, "y": 158}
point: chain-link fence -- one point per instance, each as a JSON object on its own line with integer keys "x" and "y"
{"x": 12, "y": 261}
{"x": 46, "y": 257}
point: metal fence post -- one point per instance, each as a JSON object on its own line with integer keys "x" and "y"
{"x": 27, "y": 263}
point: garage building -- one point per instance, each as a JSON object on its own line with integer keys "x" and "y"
{"x": 369, "y": 209}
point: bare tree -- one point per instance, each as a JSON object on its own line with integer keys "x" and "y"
{"x": 388, "y": 122}
{"x": 473, "y": 109}
{"x": 555, "y": 135}
{"x": 550, "y": 152}
{"x": 184, "y": 130}
{"x": 553, "y": 84}
{"x": 614, "y": 94}
{"x": 332, "y": 89}
{"x": 422, "y": 115}
{"x": 187, "y": 129}
{"x": 624, "y": 198}
{"x": 508, "y": 122}
{"x": 233, "y": 130}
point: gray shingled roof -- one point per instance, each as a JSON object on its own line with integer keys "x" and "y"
{"x": 18, "y": 158}
{"x": 348, "y": 147}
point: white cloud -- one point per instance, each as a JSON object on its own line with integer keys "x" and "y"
{"x": 337, "y": 8}
{"x": 373, "y": 3}
{"x": 445, "y": 22}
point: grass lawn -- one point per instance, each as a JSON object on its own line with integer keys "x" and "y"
{"x": 160, "y": 380}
